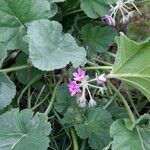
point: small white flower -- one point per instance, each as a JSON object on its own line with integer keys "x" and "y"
{"x": 101, "y": 79}
{"x": 82, "y": 102}
{"x": 92, "y": 103}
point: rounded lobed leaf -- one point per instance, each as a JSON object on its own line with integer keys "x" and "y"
{"x": 99, "y": 39}
{"x": 50, "y": 49}
{"x": 14, "y": 15}
{"x": 125, "y": 139}
{"x": 7, "y": 90}
{"x": 24, "y": 131}
{"x": 96, "y": 8}
{"x": 96, "y": 128}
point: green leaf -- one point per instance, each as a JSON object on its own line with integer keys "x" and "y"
{"x": 7, "y": 90}
{"x": 95, "y": 128}
{"x": 96, "y": 8}
{"x": 67, "y": 106}
{"x": 23, "y": 131}
{"x": 3, "y": 53}
{"x": 53, "y": 7}
{"x": 132, "y": 64}
{"x": 63, "y": 99}
{"x": 14, "y": 14}
{"x": 98, "y": 38}
{"x": 124, "y": 139}
{"x": 53, "y": 10}
{"x": 117, "y": 112}
{"x": 50, "y": 49}
{"x": 26, "y": 75}
{"x": 73, "y": 115}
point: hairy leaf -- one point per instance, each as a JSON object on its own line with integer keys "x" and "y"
{"x": 14, "y": 14}
{"x": 96, "y": 128}
{"x": 24, "y": 131}
{"x": 7, "y": 90}
{"x": 96, "y": 8}
{"x": 132, "y": 64}
{"x": 50, "y": 49}
{"x": 98, "y": 38}
{"x": 63, "y": 99}
{"x": 124, "y": 139}
{"x": 3, "y": 53}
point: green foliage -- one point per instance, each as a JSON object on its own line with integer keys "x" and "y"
{"x": 139, "y": 27}
{"x": 23, "y": 130}
{"x": 63, "y": 99}
{"x": 26, "y": 75}
{"x": 99, "y": 39}
{"x": 95, "y": 128}
{"x": 3, "y": 53}
{"x": 96, "y": 8}
{"x": 132, "y": 64}
{"x": 49, "y": 35}
{"x": 7, "y": 90}
{"x": 18, "y": 13}
{"x": 93, "y": 123}
{"x": 125, "y": 139}
{"x": 57, "y": 49}
{"x": 67, "y": 105}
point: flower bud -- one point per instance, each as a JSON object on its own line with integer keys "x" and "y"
{"x": 92, "y": 103}
{"x": 82, "y": 102}
{"x": 108, "y": 20}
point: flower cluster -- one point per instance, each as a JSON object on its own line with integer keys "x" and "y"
{"x": 126, "y": 12}
{"x": 81, "y": 84}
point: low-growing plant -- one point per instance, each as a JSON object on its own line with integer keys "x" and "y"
{"x": 74, "y": 75}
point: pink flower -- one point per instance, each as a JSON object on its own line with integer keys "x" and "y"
{"x": 108, "y": 20}
{"x": 101, "y": 79}
{"x": 73, "y": 88}
{"x": 79, "y": 74}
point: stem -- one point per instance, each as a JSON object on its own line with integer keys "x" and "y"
{"x": 89, "y": 92}
{"x": 98, "y": 68}
{"x": 72, "y": 12}
{"x": 94, "y": 86}
{"x": 74, "y": 139}
{"x": 83, "y": 145}
{"x": 92, "y": 80}
{"x": 13, "y": 69}
{"x": 132, "y": 103}
{"x": 124, "y": 102}
{"x": 111, "y": 54}
{"x": 50, "y": 106}
{"x": 36, "y": 106}
{"x": 102, "y": 62}
{"x": 91, "y": 63}
{"x": 136, "y": 8}
{"x": 29, "y": 89}
{"x": 36, "y": 78}
{"x": 29, "y": 99}
{"x": 127, "y": 75}
{"x": 39, "y": 95}
{"x": 109, "y": 103}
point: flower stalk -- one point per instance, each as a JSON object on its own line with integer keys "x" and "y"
{"x": 132, "y": 118}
